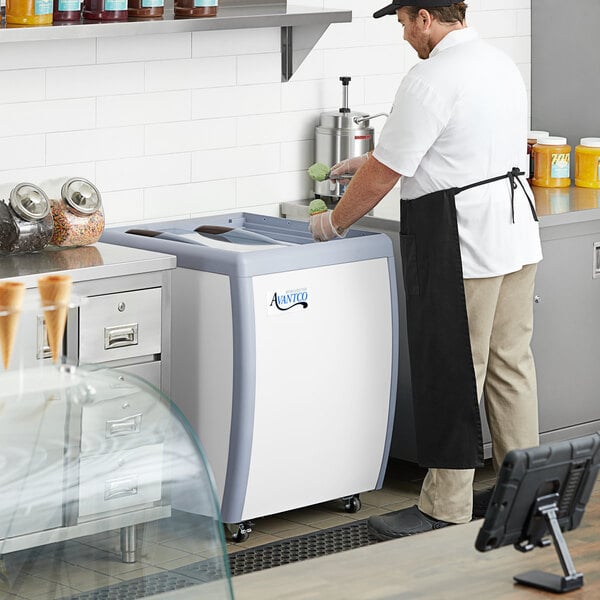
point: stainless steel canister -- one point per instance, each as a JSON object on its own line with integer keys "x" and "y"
{"x": 337, "y": 137}
{"x": 341, "y": 134}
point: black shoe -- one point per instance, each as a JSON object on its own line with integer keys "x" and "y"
{"x": 481, "y": 501}
{"x": 402, "y": 523}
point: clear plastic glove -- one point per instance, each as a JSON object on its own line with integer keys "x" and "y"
{"x": 322, "y": 229}
{"x": 349, "y": 166}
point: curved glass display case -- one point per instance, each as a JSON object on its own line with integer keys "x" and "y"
{"x": 104, "y": 489}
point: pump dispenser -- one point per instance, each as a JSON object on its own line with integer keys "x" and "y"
{"x": 341, "y": 134}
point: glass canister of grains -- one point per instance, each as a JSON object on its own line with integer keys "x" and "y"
{"x": 532, "y": 138}
{"x": 78, "y": 214}
{"x": 587, "y": 163}
{"x": 25, "y": 222}
{"x": 29, "y": 12}
{"x": 552, "y": 162}
{"x": 195, "y": 8}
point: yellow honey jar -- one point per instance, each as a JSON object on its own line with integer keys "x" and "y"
{"x": 552, "y": 162}
{"x": 532, "y": 138}
{"x": 29, "y": 12}
{"x": 587, "y": 163}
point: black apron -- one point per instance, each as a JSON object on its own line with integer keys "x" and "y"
{"x": 446, "y": 406}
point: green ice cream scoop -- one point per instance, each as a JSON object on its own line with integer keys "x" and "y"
{"x": 317, "y": 206}
{"x": 318, "y": 172}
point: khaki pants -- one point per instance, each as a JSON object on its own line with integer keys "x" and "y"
{"x": 500, "y": 312}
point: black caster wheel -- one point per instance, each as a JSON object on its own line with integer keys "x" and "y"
{"x": 352, "y": 504}
{"x": 242, "y": 532}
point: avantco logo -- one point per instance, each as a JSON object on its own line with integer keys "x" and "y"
{"x": 281, "y": 302}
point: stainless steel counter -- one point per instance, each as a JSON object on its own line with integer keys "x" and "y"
{"x": 85, "y": 263}
{"x": 555, "y": 206}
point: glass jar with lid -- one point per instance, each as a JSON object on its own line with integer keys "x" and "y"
{"x": 26, "y": 222}
{"x": 29, "y": 12}
{"x": 552, "y": 162}
{"x": 196, "y": 8}
{"x": 587, "y": 163}
{"x": 146, "y": 9}
{"x": 78, "y": 214}
{"x": 66, "y": 11}
{"x": 104, "y": 10}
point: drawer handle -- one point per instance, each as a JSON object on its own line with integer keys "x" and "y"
{"x": 120, "y": 335}
{"x": 116, "y": 427}
{"x": 120, "y": 488}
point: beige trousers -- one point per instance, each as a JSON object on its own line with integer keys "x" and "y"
{"x": 500, "y": 312}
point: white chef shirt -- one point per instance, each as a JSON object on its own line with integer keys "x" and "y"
{"x": 459, "y": 117}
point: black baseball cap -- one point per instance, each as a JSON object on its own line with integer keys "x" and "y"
{"x": 391, "y": 9}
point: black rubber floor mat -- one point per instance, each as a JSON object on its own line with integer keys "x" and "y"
{"x": 310, "y": 545}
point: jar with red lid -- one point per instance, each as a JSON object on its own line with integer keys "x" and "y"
{"x": 196, "y": 8}
{"x": 552, "y": 162}
{"x": 78, "y": 214}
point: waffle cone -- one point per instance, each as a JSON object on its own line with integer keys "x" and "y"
{"x": 11, "y": 300}
{"x": 55, "y": 291}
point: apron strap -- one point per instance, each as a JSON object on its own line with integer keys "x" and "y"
{"x": 513, "y": 176}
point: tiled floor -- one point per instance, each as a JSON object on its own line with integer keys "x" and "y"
{"x": 78, "y": 567}
{"x": 400, "y": 490}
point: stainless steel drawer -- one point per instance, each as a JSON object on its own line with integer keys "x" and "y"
{"x": 121, "y": 480}
{"x": 150, "y": 371}
{"x": 122, "y": 325}
{"x": 130, "y": 420}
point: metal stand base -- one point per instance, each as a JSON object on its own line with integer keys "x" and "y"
{"x": 552, "y": 583}
{"x": 547, "y": 507}
{"x": 128, "y": 540}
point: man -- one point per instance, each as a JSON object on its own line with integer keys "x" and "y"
{"x": 470, "y": 245}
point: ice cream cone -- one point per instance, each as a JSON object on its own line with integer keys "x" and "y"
{"x": 11, "y": 300}
{"x": 54, "y": 293}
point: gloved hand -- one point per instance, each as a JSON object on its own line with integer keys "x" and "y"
{"x": 322, "y": 229}
{"x": 349, "y": 166}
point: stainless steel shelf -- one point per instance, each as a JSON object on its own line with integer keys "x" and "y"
{"x": 312, "y": 21}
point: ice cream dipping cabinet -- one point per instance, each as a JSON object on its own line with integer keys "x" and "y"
{"x": 284, "y": 357}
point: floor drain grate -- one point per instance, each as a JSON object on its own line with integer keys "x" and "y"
{"x": 167, "y": 581}
{"x": 310, "y": 545}
{"x": 274, "y": 554}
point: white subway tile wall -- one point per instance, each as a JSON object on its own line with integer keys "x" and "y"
{"x": 189, "y": 124}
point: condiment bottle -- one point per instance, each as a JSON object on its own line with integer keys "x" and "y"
{"x": 552, "y": 162}
{"x": 146, "y": 9}
{"x": 29, "y": 210}
{"x": 195, "y": 8}
{"x": 29, "y": 12}
{"x": 587, "y": 163}
{"x": 78, "y": 214}
{"x": 67, "y": 10}
{"x": 532, "y": 138}
{"x": 105, "y": 10}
